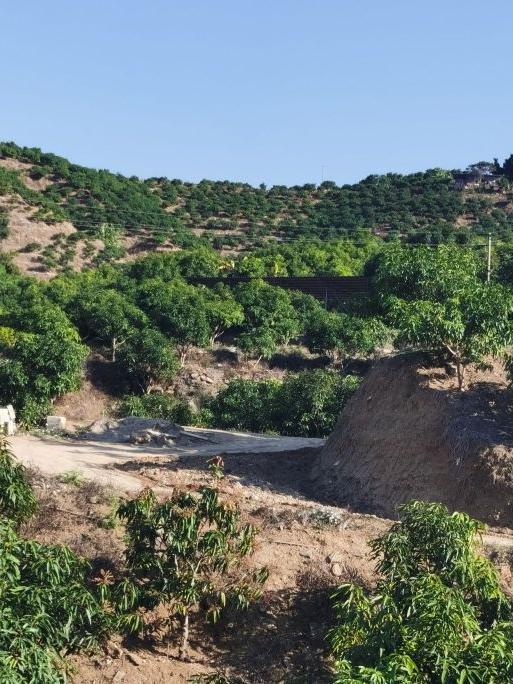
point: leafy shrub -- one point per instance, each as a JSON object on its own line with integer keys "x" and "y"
{"x": 72, "y": 477}
{"x": 342, "y": 334}
{"x": 40, "y": 365}
{"x": 4, "y": 225}
{"x": 149, "y": 360}
{"x": 17, "y": 500}
{"x": 306, "y": 404}
{"x": 438, "y": 613}
{"x": 46, "y": 609}
{"x": 183, "y": 554}
{"x": 31, "y": 247}
{"x": 309, "y": 403}
{"x": 246, "y": 405}
{"x": 162, "y": 406}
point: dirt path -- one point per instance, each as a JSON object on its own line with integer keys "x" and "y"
{"x": 99, "y": 460}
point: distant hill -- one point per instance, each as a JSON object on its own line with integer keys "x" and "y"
{"x": 55, "y": 214}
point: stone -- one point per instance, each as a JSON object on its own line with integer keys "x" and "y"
{"x": 115, "y": 650}
{"x": 335, "y": 557}
{"x": 7, "y": 420}
{"x": 337, "y": 569}
{"x": 118, "y": 677}
{"x": 55, "y": 422}
{"x": 134, "y": 658}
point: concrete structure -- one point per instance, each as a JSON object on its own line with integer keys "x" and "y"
{"x": 55, "y": 423}
{"x": 7, "y": 420}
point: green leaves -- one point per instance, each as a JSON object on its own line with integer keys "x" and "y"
{"x": 185, "y": 553}
{"x": 437, "y": 614}
{"x": 46, "y": 609}
{"x": 435, "y": 301}
{"x": 17, "y": 500}
{"x": 305, "y": 404}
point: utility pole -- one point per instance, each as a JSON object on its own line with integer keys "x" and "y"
{"x": 489, "y": 264}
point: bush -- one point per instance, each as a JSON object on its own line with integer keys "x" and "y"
{"x": 309, "y": 403}
{"x": 303, "y": 405}
{"x": 4, "y": 225}
{"x": 17, "y": 500}
{"x": 183, "y": 554}
{"x": 46, "y": 607}
{"x": 31, "y": 247}
{"x": 438, "y": 613}
{"x": 161, "y": 406}
{"x": 246, "y": 405}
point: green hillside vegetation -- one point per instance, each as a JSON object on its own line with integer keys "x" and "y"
{"x": 145, "y": 318}
{"x": 419, "y": 207}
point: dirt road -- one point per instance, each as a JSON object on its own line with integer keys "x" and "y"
{"x": 97, "y": 460}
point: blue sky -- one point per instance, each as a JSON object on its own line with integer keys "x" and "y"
{"x": 274, "y": 91}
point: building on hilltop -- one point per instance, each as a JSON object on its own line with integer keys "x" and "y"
{"x": 478, "y": 176}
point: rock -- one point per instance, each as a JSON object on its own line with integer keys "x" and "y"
{"x": 209, "y": 381}
{"x": 305, "y": 554}
{"x": 118, "y": 677}
{"x": 115, "y": 650}
{"x": 93, "y": 499}
{"x": 335, "y": 557}
{"x": 134, "y": 658}
{"x": 337, "y": 569}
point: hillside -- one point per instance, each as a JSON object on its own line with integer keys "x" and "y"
{"x": 408, "y": 434}
{"x": 59, "y": 215}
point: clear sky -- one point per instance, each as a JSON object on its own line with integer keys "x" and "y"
{"x": 274, "y": 91}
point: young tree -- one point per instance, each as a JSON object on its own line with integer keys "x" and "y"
{"x": 340, "y": 334}
{"x": 269, "y": 318}
{"x": 246, "y": 405}
{"x": 309, "y": 403}
{"x": 41, "y": 366}
{"x": 183, "y": 554}
{"x": 17, "y": 500}
{"x": 109, "y": 316}
{"x": 438, "y": 613}
{"x": 223, "y": 311}
{"x": 466, "y": 328}
{"x": 179, "y": 310}
{"x": 47, "y": 609}
{"x": 149, "y": 360}
{"x": 425, "y": 273}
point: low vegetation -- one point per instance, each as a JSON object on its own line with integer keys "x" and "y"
{"x": 438, "y": 613}
{"x": 182, "y": 553}
{"x": 306, "y": 404}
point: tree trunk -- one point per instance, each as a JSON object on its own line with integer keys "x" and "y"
{"x": 460, "y": 372}
{"x": 185, "y": 637}
{"x": 114, "y": 343}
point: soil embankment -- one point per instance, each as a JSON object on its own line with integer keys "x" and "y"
{"x": 409, "y": 434}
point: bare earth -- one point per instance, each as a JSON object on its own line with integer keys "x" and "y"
{"x": 99, "y": 460}
{"x": 309, "y": 548}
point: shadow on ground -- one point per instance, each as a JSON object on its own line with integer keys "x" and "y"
{"x": 283, "y": 472}
{"x": 281, "y": 638}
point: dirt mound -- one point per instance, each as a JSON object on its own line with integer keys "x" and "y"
{"x": 134, "y": 430}
{"x": 408, "y": 434}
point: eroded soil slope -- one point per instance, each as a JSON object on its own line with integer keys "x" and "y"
{"x": 409, "y": 434}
